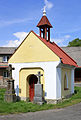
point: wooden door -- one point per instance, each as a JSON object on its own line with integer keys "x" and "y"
{"x": 31, "y": 91}
{"x": 32, "y": 80}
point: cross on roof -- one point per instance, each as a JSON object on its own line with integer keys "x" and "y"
{"x": 44, "y": 11}
{"x": 39, "y": 76}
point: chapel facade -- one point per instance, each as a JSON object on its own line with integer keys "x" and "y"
{"x": 38, "y": 54}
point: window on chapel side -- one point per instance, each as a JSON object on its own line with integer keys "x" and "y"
{"x": 65, "y": 82}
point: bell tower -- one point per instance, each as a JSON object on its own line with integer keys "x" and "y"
{"x": 44, "y": 27}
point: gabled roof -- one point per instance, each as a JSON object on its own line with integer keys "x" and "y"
{"x": 65, "y": 58}
{"x": 44, "y": 21}
{"x": 7, "y": 50}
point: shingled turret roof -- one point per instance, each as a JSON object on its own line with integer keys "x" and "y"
{"x": 44, "y": 21}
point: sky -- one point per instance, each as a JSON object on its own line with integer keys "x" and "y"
{"x": 19, "y": 17}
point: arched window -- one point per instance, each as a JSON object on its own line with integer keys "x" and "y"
{"x": 65, "y": 81}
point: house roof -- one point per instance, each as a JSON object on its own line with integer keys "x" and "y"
{"x": 44, "y": 21}
{"x": 74, "y": 52}
{"x": 65, "y": 58}
{"x": 7, "y": 50}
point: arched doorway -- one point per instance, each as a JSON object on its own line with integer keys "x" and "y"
{"x": 32, "y": 79}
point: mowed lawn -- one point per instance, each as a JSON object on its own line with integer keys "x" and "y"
{"x": 23, "y": 107}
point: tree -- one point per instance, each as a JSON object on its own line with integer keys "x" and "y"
{"x": 75, "y": 43}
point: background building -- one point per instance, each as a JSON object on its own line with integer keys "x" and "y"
{"x": 5, "y": 54}
{"x": 75, "y": 53}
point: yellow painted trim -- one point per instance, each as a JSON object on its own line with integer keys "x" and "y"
{"x": 68, "y": 91}
{"x": 23, "y": 82}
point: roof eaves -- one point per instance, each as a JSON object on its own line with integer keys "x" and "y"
{"x": 52, "y": 44}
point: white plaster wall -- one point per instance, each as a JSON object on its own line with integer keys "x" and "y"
{"x": 58, "y": 83}
{"x": 72, "y": 81}
{"x": 49, "y": 74}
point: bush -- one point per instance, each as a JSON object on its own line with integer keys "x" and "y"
{"x": 2, "y": 93}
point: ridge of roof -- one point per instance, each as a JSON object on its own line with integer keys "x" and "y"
{"x": 44, "y": 21}
{"x": 66, "y": 59}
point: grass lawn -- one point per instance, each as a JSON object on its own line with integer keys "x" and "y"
{"x": 23, "y": 107}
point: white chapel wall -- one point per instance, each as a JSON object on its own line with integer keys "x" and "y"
{"x": 49, "y": 74}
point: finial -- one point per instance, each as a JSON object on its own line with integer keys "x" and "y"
{"x": 44, "y": 11}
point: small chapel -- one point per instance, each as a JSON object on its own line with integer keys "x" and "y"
{"x": 37, "y": 58}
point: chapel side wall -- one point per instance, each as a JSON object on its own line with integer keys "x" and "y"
{"x": 68, "y": 91}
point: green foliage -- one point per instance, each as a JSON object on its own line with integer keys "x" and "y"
{"x": 2, "y": 92}
{"x": 23, "y": 107}
{"x": 75, "y": 43}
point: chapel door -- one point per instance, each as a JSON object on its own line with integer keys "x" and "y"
{"x": 32, "y": 80}
{"x": 31, "y": 91}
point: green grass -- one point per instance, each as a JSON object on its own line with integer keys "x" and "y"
{"x": 23, "y": 107}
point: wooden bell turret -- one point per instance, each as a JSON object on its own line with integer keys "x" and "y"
{"x": 44, "y": 27}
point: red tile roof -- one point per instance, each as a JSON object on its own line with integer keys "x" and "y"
{"x": 65, "y": 58}
{"x": 44, "y": 21}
